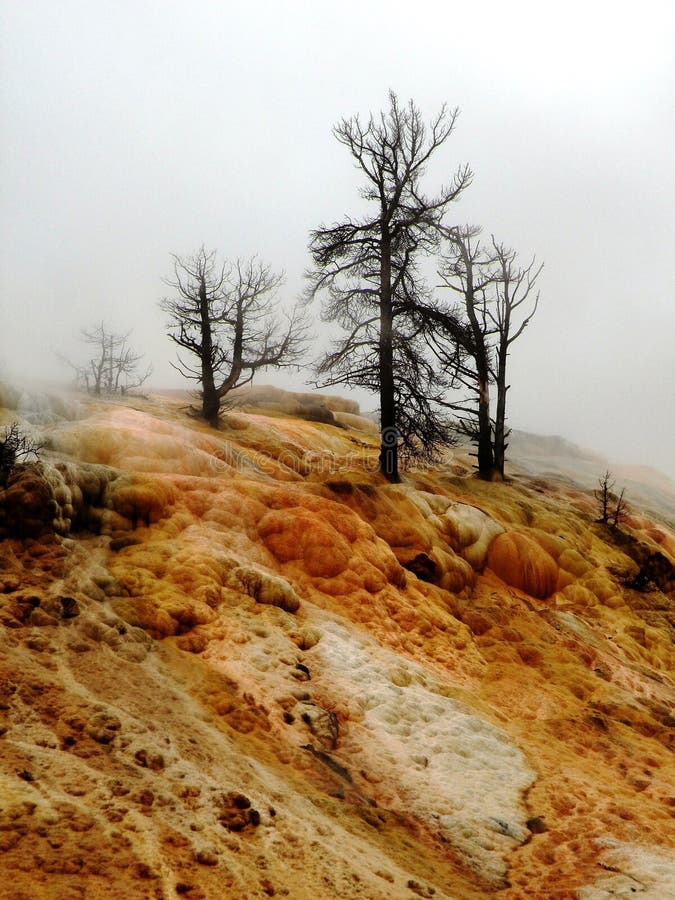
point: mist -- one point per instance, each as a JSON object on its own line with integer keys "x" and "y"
{"x": 134, "y": 131}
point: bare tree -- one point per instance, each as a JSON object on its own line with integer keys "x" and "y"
{"x": 227, "y": 317}
{"x": 15, "y": 448}
{"x": 603, "y": 494}
{"x": 368, "y": 268}
{"x": 619, "y": 509}
{"x": 513, "y": 306}
{"x": 113, "y": 365}
{"x": 469, "y": 273}
{"x": 607, "y": 499}
{"x": 496, "y": 299}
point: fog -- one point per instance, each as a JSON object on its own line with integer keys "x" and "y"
{"x": 134, "y": 130}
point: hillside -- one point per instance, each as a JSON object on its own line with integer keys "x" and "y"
{"x": 240, "y": 664}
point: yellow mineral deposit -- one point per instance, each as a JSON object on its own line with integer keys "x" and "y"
{"x": 239, "y": 664}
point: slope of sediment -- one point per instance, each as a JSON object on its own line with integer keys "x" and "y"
{"x": 240, "y": 664}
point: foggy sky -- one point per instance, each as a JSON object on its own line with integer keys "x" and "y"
{"x": 132, "y": 130}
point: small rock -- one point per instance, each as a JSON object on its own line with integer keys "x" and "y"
{"x": 147, "y": 760}
{"x": 71, "y": 607}
{"x": 40, "y": 618}
{"x": 206, "y": 858}
{"x": 240, "y": 801}
{"x": 422, "y": 890}
{"x": 103, "y": 727}
{"x": 144, "y": 871}
{"x": 536, "y": 825}
{"x": 119, "y": 543}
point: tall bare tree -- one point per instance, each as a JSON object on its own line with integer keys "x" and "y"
{"x": 113, "y": 367}
{"x": 469, "y": 273}
{"x": 497, "y": 298}
{"x": 368, "y": 268}
{"x": 514, "y": 304}
{"x": 227, "y": 316}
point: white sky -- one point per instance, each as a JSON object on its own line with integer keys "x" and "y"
{"x": 131, "y": 130}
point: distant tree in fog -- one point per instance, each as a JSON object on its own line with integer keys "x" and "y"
{"x": 612, "y": 507}
{"x": 113, "y": 367}
{"x": 226, "y": 316}
{"x": 497, "y": 300}
{"x": 368, "y": 271}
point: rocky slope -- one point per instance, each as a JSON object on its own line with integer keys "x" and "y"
{"x": 240, "y": 664}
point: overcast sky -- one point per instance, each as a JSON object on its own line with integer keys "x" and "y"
{"x": 131, "y": 130}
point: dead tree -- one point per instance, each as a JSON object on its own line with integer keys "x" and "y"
{"x": 469, "y": 273}
{"x": 612, "y": 507}
{"x": 603, "y": 494}
{"x": 619, "y": 509}
{"x": 367, "y": 271}
{"x": 113, "y": 367}
{"x": 15, "y": 448}
{"x": 496, "y": 301}
{"x": 513, "y": 295}
{"x": 228, "y": 318}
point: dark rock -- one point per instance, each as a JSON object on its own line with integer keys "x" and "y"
{"x": 144, "y": 871}
{"x": 119, "y": 543}
{"x": 147, "y": 760}
{"x": 422, "y": 890}
{"x": 301, "y": 667}
{"x": 71, "y": 607}
{"x": 235, "y": 812}
{"x": 239, "y": 801}
{"x": 536, "y": 825}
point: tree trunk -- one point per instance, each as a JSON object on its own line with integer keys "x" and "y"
{"x": 500, "y": 417}
{"x": 210, "y": 401}
{"x": 388, "y": 431}
{"x": 485, "y": 451}
{"x": 237, "y": 355}
{"x": 484, "y": 439}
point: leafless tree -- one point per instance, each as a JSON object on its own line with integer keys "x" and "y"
{"x": 469, "y": 273}
{"x": 497, "y": 301}
{"x": 367, "y": 269}
{"x": 15, "y": 448}
{"x": 514, "y": 304}
{"x": 113, "y": 367}
{"x": 227, "y": 317}
{"x": 607, "y": 499}
{"x": 619, "y": 509}
{"x": 603, "y": 494}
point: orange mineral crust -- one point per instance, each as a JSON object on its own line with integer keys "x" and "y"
{"x": 238, "y": 663}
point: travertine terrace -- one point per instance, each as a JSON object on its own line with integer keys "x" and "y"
{"x": 239, "y": 664}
